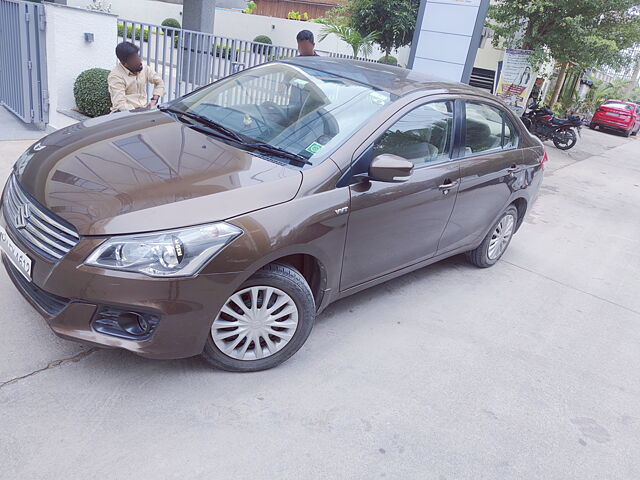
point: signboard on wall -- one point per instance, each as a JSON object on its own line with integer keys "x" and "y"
{"x": 517, "y": 79}
{"x": 447, "y": 36}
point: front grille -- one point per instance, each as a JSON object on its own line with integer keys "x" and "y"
{"x": 47, "y": 235}
{"x": 50, "y": 303}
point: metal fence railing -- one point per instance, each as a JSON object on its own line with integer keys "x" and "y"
{"x": 23, "y": 77}
{"x": 187, "y": 59}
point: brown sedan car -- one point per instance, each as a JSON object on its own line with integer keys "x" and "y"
{"x": 222, "y": 223}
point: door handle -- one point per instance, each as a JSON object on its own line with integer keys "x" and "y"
{"x": 449, "y": 185}
{"x": 513, "y": 168}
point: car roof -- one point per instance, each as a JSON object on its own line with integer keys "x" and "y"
{"x": 399, "y": 81}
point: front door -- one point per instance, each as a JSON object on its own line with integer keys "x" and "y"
{"x": 490, "y": 166}
{"x": 394, "y": 225}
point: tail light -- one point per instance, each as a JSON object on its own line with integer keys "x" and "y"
{"x": 545, "y": 159}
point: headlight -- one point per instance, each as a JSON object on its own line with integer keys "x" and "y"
{"x": 172, "y": 253}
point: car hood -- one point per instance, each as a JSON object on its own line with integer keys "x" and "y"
{"x": 130, "y": 173}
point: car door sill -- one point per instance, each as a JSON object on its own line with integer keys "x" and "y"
{"x": 402, "y": 271}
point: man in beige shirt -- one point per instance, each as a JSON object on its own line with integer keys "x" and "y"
{"x": 128, "y": 81}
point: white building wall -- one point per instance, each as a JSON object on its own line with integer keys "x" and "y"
{"x": 488, "y": 57}
{"x": 68, "y": 54}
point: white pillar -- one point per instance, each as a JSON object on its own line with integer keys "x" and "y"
{"x": 447, "y": 37}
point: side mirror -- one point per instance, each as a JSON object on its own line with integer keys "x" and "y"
{"x": 390, "y": 168}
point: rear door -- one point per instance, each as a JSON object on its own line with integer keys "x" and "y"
{"x": 490, "y": 162}
{"x": 394, "y": 225}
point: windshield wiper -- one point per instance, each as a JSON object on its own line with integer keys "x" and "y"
{"x": 258, "y": 147}
{"x": 207, "y": 122}
{"x": 277, "y": 151}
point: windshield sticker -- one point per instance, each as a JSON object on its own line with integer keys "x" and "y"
{"x": 315, "y": 147}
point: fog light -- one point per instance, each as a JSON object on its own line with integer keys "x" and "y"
{"x": 124, "y": 323}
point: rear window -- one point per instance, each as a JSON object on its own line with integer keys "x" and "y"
{"x": 618, "y": 105}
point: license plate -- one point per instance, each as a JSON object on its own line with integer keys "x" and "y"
{"x": 612, "y": 114}
{"x": 19, "y": 259}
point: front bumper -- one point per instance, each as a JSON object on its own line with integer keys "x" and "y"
{"x": 68, "y": 294}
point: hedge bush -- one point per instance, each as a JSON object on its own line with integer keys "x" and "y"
{"x": 388, "y": 60}
{"x": 262, "y": 48}
{"x": 145, "y": 35}
{"x": 91, "y": 92}
{"x": 171, "y": 22}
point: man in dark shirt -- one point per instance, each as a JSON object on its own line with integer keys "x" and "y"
{"x": 306, "y": 44}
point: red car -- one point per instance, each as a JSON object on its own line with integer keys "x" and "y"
{"x": 617, "y": 115}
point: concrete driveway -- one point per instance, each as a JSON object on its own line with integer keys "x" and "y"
{"x": 528, "y": 370}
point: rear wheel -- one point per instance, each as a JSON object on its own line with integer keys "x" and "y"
{"x": 497, "y": 240}
{"x": 627, "y": 133}
{"x": 565, "y": 139}
{"x": 592, "y": 126}
{"x": 263, "y": 323}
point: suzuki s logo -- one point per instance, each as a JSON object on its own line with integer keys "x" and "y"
{"x": 22, "y": 216}
{"x": 342, "y": 210}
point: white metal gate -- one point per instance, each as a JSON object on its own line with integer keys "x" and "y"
{"x": 23, "y": 75}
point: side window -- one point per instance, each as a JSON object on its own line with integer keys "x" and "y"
{"x": 488, "y": 128}
{"x": 423, "y": 135}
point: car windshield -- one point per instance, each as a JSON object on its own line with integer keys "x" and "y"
{"x": 298, "y": 110}
{"x": 618, "y": 105}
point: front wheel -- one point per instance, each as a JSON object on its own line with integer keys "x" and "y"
{"x": 497, "y": 240}
{"x": 263, "y": 323}
{"x": 565, "y": 139}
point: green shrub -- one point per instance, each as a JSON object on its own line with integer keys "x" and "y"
{"x": 171, "y": 22}
{"x": 263, "y": 39}
{"x": 145, "y": 34}
{"x": 388, "y": 60}
{"x": 91, "y": 92}
{"x": 262, "y": 48}
{"x": 224, "y": 51}
{"x": 251, "y": 6}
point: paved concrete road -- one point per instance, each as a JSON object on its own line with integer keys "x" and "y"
{"x": 528, "y": 370}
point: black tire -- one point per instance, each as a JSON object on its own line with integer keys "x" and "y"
{"x": 627, "y": 133}
{"x": 290, "y": 281}
{"x": 592, "y": 126}
{"x": 569, "y": 140}
{"x": 480, "y": 256}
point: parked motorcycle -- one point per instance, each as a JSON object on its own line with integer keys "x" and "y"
{"x": 541, "y": 122}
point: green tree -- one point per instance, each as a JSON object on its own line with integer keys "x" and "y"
{"x": 587, "y": 33}
{"x": 393, "y": 20}
{"x": 360, "y": 44}
{"x": 338, "y": 15}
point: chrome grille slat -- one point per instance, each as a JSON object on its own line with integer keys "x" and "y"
{"x": 46, "y": 217}
{"x": 43, "y": 238}
{"x": 42, "y": 231}
{"x": 33, "y": 240}
{"x": 41, "y": 226}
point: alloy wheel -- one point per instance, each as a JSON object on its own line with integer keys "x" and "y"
{"x": 501, "y": 236}
{"x": 255, "y": 323}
